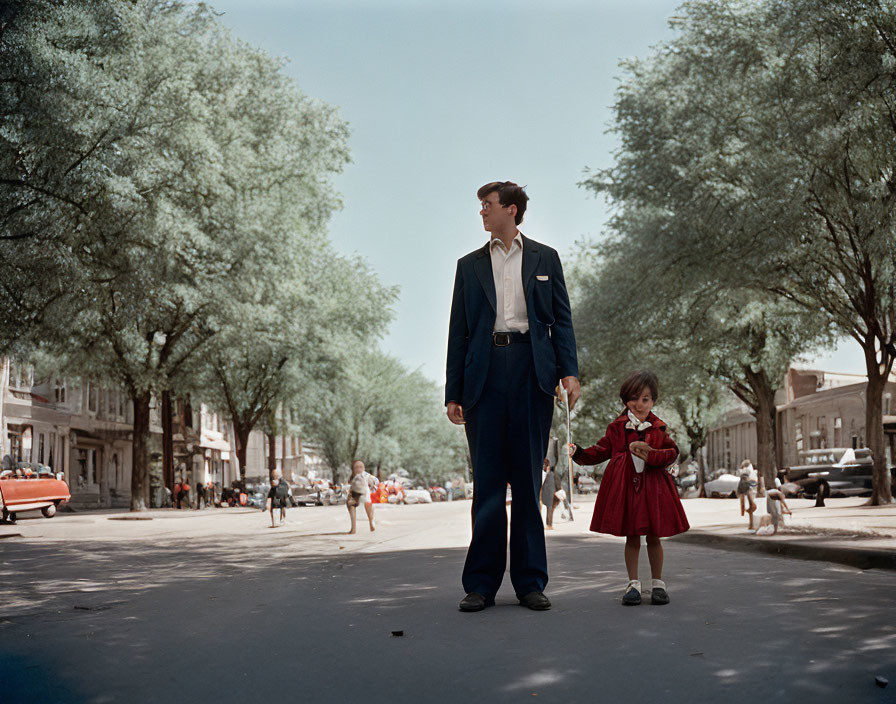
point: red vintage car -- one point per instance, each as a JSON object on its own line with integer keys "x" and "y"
{"x": 29, "y": 487}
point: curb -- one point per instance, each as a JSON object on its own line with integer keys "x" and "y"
{"x": 862, "y": 558}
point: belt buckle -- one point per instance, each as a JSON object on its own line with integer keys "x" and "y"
{"x": 502, "y": 339}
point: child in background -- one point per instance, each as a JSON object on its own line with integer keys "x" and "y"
{"x": 637, "y": 494}
{"x": 768, "y": 524}
{"x": 361, "y": 485}
{"x": 278, "y": 496}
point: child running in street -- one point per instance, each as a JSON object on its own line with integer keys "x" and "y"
{"x": 637, "y": 494}
{"x": 360, "y": 487}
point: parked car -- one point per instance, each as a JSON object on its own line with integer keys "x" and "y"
{"x": 847, "y": 471}
{"x": 335, "y": 496}
{"x": 587, "y": 485}
{"x": 28, "y": 487}
{"x": 417, "y": 496}
{"x": 303, "y": 493}
{"x": 722, "y": 487}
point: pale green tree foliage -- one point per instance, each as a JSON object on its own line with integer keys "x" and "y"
{"x": 132, "y": 133}
{"x": 284, "y": 342}
{"x": 379, "y": 412}
{"x": 698, "y": 333}
{"x": 765, "y": 131}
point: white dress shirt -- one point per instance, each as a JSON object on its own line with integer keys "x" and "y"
{"x": 510, "y": 302}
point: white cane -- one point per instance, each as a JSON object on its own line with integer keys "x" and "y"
{"x": 564, "y": 395}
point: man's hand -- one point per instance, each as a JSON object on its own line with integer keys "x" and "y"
{"x": 573, "y": 390}
{"x": 455, "y": 413}
{"x": 640, "y": 449}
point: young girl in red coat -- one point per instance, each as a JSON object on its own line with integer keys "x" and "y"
{"x": 637, "y": 494}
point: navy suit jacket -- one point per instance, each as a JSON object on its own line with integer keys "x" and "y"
{"x": 473, "y": 311}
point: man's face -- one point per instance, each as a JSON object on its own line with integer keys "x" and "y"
{"x": 357, "y": 467}
{"x": 495, "y": 217}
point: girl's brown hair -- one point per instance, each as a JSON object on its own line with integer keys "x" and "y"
{"x": 636, "y": 381}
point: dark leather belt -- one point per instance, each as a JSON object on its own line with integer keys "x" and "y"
{"x": 502, "y": 339}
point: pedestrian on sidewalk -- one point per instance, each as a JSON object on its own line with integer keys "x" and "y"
{"x": 361, "y": 485}
{"x": 746, "y": 489}
{"x": 200, "y": 495}
{"x": 637, "y": 494}
{"x": 278, "y": 496}
{"x": 182, "y": 494}
{"x": 549, "y": 488}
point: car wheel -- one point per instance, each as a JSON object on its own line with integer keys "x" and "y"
{"x": 49, "y": 511}
{"x": 10, "y": 516}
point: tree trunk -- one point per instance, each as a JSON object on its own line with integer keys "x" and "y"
{"x": 272, "y": 453}
{"x": 765, "y": 413}
{"x": 140, "y": 452}
{"x": 167, "y": 442}
{"x": 241, "y": 431}
{"x": 881, "y": 492}
{"x": 701, "y": 474}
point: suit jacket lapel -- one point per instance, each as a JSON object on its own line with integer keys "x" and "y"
{"x": 483, "y": 267}
{"x": 531, "y": 257}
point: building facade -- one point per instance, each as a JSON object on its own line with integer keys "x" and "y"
{"x": 85, "y": 432}
{"x": 815, "y": 410}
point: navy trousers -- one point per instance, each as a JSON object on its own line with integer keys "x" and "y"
{"x": 507, "y": 431}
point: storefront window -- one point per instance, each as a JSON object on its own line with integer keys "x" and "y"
{"x": 86, "y": 467}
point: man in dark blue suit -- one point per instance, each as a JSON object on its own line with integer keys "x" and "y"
{"x": 510, "y": 341}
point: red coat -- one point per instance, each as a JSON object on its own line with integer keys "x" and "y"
{"x": 629, "y": 503}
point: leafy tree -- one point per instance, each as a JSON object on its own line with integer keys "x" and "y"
{"x": 135, "y": 136}
{"x": 698, "y": 334}
{"x": 392, "y": 419}
{"x": 283, "y": 343}
{"x": 765, "y": 132}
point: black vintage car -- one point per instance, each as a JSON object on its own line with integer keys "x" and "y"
{"x": 847, "y": 471}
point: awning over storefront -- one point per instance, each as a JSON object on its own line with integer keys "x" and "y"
{"x": 211, "y": 442}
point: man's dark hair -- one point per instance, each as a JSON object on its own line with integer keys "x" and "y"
{"x": 509, "y": 193}
{"x": 635, "y": 382}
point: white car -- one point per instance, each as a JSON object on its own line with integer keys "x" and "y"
{"x": 723, "y": 486}
{"x": 417, "y": 496}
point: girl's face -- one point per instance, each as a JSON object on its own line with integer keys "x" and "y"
{"x": 641, "y": 404}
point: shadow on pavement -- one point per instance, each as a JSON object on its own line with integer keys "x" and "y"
{"x": 232, "y": 622}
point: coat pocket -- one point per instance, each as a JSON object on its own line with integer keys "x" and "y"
{"x": 543, "y": 301}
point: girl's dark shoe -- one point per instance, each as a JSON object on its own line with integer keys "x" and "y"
{"x": 632, "y": 596}
{"x": 658, "y": 594}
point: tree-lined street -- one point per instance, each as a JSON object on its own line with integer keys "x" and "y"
{"x": 237, "y": 612}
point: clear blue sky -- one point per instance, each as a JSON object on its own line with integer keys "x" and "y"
{"x": 442, "y": 97}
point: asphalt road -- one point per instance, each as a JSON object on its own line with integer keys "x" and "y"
{"x": 253, "y": 620}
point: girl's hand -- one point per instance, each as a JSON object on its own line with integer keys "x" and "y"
{"x": 640, "y": 449}
{"x": 572, "y": 449}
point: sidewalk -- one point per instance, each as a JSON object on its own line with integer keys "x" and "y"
{"x": 845, "y": 531}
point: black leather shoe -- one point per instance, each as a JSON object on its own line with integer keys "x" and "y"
{"x": 536, "y": 601}
{"x": 659, "y": 596}
{"x": 632, "y": 597}
{"x": 473, "y": 602}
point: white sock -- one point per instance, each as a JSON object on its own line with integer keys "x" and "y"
{"x": 658, "y": 584}
{"x": 634, "y": 583}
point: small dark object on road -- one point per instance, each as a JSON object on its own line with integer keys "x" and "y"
{"x": 881, "y": 682}
{"x": 398, "y": 634}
